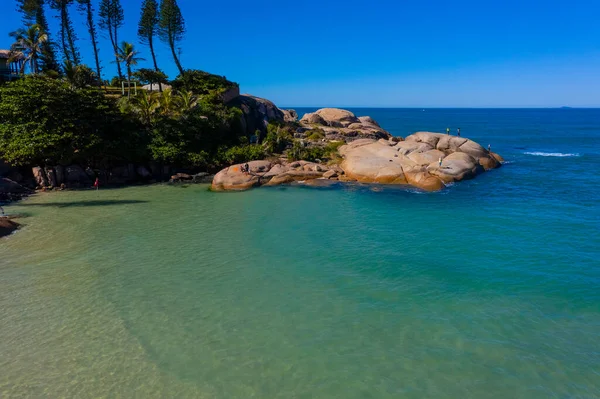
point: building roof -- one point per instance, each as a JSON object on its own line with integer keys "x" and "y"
{"x": 5, "y": 54}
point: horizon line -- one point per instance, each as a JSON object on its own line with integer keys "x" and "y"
{"x": 415, "y": 107}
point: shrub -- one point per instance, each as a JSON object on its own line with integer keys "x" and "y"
{"x": 242, "y": 153}
{"x": 315, "y": 134}
{"x": 278, "y": 138}
{"x": 299, "y": 151}
{"x": 201, "y": 82}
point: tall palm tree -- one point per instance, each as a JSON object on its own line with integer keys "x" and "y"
{"x": 128, "y": 56}
{"x": 28, "y": 44}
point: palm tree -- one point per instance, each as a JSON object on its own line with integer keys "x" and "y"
{"x": 28, "y": 44}
{"x": 145, "y": 105}
{"x": 167, "y": 102}
{"x": 188, "y": 100}
{"x": 128, "y": 56}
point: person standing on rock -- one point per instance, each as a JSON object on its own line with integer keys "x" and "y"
{"x": 440, "y": 162}
{"x": 448, "y": 131}
{"x": 246, "y": 168}
{"x": 489, "y": 148}
{"x": 458, "y": 132}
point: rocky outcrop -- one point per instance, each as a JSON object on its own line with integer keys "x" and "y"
{"x": 39, "y": 175}
{"x": 258, "y": 112}
{"x": 7, "y": 226}
{"x": 266, "y": 173}
{"x": 289, "y": 115}
{"x": 11, "y": 190}
{"x": 414, "y": 161}
{"x": 343, "y": 125}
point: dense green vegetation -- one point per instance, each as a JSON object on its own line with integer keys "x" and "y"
{"x": 47, "y": 121}
{"x": 51, "y": 121}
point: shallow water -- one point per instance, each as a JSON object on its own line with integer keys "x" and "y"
{"x": 488, "y": 289}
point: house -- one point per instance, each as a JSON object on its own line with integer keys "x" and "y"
{"x": 9, "y": 70}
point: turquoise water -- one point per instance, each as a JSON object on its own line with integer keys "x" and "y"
{"x": 488, "y": 289}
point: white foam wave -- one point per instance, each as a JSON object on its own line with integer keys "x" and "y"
{"x": 552, "y": 154}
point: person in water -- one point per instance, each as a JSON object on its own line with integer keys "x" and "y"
{"x": 448, "y": 131}
{"x": 458, "y": 132}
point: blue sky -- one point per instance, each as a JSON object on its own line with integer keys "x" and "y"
{"x": 383, "y": 53}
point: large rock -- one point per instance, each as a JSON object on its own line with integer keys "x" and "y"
{"x": 258, "y": 112}
{"x": 60, "y": 174}
{"x": 289, "y": 115}
{"x": 342, "y": 125}
{"x": 455, "y": 167}
{"x": 11, "y": 190}
{"x": 76, "y": 176}
{"x": 294, "y": 175}
{"x": 313, "y": 118}
{"x": 7, "y": 226}
{"x": 336, "y": 117}
{"x": 39, "y": 176}
{"x": 51, "y": 174}
{"x": 415, "y": 161}
{"x": 8, "y": 186}
{"x": 234, "y": 179}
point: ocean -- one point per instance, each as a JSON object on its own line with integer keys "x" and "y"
{"x": 487, "y": 289}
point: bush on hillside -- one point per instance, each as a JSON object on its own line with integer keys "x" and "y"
{"x": 200, "y": 82}
{"x": 44, "y": 120}
{"x": 278, "y": 138}
{"x": 241, "y": 153}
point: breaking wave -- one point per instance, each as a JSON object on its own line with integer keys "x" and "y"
{"x": 552, "y": 154}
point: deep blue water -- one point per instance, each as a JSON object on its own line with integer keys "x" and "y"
{"x": 487, "y": 289}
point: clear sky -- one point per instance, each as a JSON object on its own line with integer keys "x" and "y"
{"x": 425, "y": 53}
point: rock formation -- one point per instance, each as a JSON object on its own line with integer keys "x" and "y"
{"x": 378, "y": 158}
{"x": 7, "y": 226}
{"x": 416, "y": 161}
{"x": 267, "y": 173}
{"x": 342, "y": 125}
{"x": 258, "y": 112}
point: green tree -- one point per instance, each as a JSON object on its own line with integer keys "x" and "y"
{"x": 67, "y": 33}
{"x": 144, "y": 105}
{"x": 187, "y": 100}
{"x": 28, "y": 44}
{"x": 86, "y": 8}
{"x": 150, "y": 76}
{"x": 171, "y": 27}
{"x": 45, "y": 121}
{"x": 80, "y": 76}
{"x": 111, "y": 19}
{"x": 147, "y": 29}
{"x": 128, "y": 56}
{"x": 33, "y": 13}
{"x": 201, "y": 82}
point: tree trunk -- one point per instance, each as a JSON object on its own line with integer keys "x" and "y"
{"x": 129, "y": 81}
{"x": 90, "y": 21}
{"x": 113, "y": 41}
{"x": 172, "y": 45}
{"x": 151, "y": 45}
{"x": 63, "y": 35}
{"x": 116, "y": 45}
{"x": 70, "y": 33}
